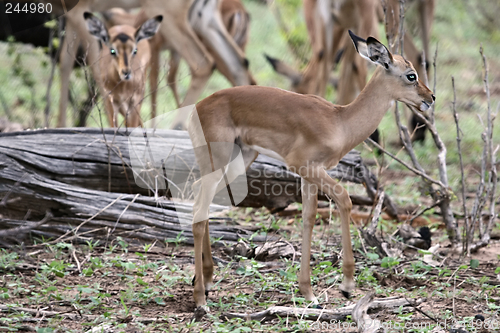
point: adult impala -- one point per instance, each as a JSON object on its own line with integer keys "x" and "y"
{"x": 308, "y": 133}
{"x": 175, "y": 28}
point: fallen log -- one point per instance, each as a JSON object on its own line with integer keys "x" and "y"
{"x": 100, "y": 160}
{"x": 89, "y": 179}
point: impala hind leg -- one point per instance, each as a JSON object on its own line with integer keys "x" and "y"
{"x": 338, "y": 193}
{"x": 210, "y": 159}
{"x": 205, "y": 190}
{"x": 173, "y": 67}
{"x": 309, "y": 209}
{"x": 66, "y": 62}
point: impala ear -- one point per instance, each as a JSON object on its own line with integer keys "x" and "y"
{"x": 372, "y": 50}
{"x": 148, "y": 29}
{"x": 96, "y": 27}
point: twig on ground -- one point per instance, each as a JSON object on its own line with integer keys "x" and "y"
{"x": 376, "y": 213}
{"x": 73, "y": 253}
{"x": 30, "y": 226}
{"x": 363, "y": 321}
{"x": 321, "y": 314}
{"x": 70, "y": 315}
{"x": 75, "y": 231}
{"x": 123, "y": 212}
{"x": 454, "y": 293}
{"x": 415, "y": 306}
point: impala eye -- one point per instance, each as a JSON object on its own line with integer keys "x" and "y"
{"x": 411, "y": 77}
{"x": 134, "y": 52}
{"x": 112, "y": 51}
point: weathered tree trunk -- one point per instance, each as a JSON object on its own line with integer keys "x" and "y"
{"x": 86, "y": 173}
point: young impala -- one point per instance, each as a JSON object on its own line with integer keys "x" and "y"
{"x": 308, "y": 133}
{"x": 123, "y": 61}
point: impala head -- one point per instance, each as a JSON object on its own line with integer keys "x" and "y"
{"x": 122, "y": 40}
{"x": 402, "y": 78}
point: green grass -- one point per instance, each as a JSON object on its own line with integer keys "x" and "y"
{"x": 128, "y": 282}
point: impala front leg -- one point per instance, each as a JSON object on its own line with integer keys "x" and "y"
{"x": 110, "y": 109}
{"x": 309, "y": 209}
{"x": 338, "y": 193}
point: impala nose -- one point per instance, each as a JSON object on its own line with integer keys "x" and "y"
{"x": 126, "y": 74}
{"x": 433, "y": 98}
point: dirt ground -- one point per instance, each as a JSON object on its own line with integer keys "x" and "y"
{"x": 119, "y": 287}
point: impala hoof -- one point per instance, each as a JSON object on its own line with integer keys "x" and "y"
{"x": 200, "y": 312}
{"x": 319, "y": 307}
{"x": 346, "y": 288}
{"x": 346, "y": 294}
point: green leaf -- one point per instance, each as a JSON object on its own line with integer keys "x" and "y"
{"x": 372, "y": 256}
{"x": 85, "y": 290}
{"x": 45, "y": 330}
{"x": 159, "y": 301}
{"x": 389, "y": 262}
{"x": 141, "y": 282}
{"x": 474, "y": 263}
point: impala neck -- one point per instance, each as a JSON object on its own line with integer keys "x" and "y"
{"x": 362, "y": 117}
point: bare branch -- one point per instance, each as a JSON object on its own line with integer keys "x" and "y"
{"x": 459, "y": 147}
{"x": 376, "y": 213}
{"x": 406, "y": 165}
{"x": 404, "y": 137}
{"x": 492, "y": 177}
{"x": 431, "y": 113}
{"x": 401, "y": 26}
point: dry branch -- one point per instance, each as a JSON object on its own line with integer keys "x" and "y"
{"x": 70, "y": 314}
{"x": 26, "y": 228}
{"x": 486, "y": 191}
{"x": 363, "y": 321}
{"x": 380, "y": 304}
